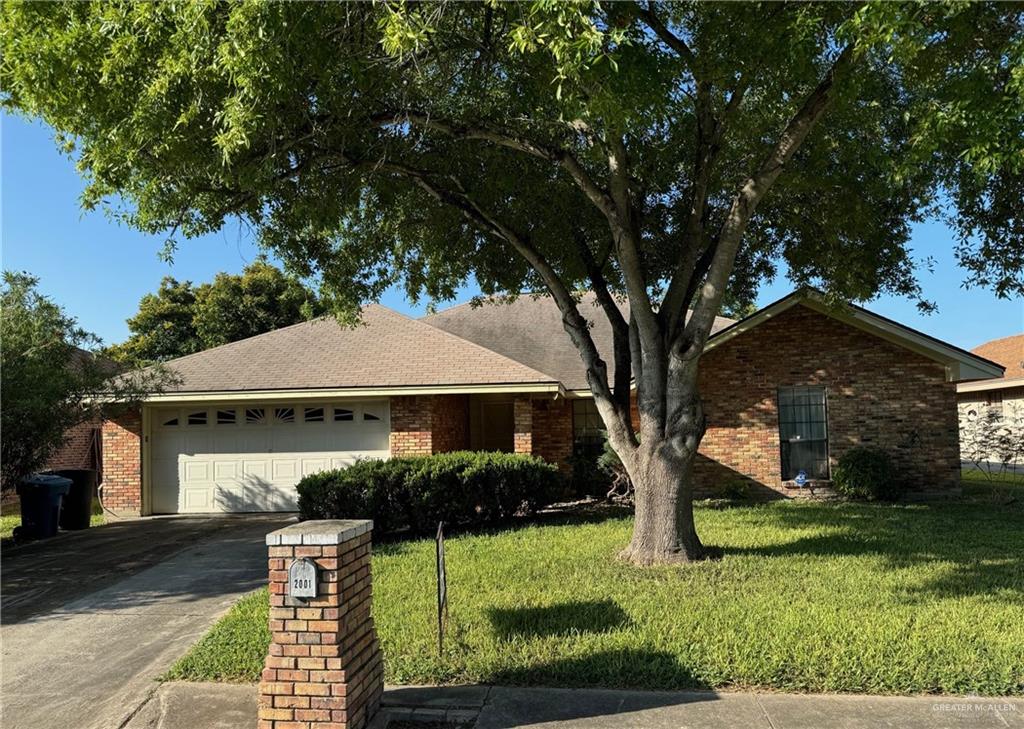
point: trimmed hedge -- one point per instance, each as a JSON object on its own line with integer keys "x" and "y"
{"x": 460, "y": 488}
{"x": 867, "y": 473}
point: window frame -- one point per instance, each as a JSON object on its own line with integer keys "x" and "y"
{"x": 783, "y": 443}
{"x": 583, "y": 442}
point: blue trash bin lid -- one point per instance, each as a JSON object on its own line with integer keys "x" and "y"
{"x": 57, "y": 484}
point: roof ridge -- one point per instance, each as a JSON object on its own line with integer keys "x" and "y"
{"x": 463, "y": 340}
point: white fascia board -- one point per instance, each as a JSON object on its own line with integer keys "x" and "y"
{"x": 348, "y": 392}
{"x": 1003, "y": 383}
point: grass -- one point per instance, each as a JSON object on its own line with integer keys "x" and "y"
{"x": 8, "y": 522}
{"x": 981, "y": 486}
{"x": 808, "y": 597}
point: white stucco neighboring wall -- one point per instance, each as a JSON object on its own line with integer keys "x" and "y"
{"x": 992, "y": 425}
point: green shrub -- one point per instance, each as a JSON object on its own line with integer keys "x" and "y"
{"x": 736, "y": 489}
{"x": 587, "y": 478}
{"x": 461, "y": 488}
{"x": 866, "y": 473}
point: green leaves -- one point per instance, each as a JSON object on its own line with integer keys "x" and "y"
{"x": 45, "y": 376}
{"x": 181, "y": 319}
{"x": 190, "y": 113}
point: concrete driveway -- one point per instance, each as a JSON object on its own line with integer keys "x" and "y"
{"x": 91, "y": 619}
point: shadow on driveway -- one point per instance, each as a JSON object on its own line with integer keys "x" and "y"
{"x": 39, "y": 577}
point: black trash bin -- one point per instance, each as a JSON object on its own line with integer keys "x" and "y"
{"x": 41, "y": 495}
{"x": 76, "y": 508}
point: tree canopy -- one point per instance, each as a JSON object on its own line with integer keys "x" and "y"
{"x": 181, "y": 318}
{"x": 664, "y": 152}
{"x": 51, "y": 380}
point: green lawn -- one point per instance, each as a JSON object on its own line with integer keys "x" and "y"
{"x": 808, "y": 597}
{"x": 999, "y": 487}
{"x": 9, "y": 521}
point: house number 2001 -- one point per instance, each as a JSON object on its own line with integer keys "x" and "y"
{"x": 302, "y": 580}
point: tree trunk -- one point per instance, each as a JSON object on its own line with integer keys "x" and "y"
{"x": 663, "y": 531}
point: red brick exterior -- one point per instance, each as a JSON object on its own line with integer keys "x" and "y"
{"x": 878, "y": 394}
{"x": 426, "y": 424}
{"x": 522, "y": 423}
{"x": 122, "y": 463}
{"x": 552, "y": 431}
{"x": 451, "y": 423}
{"x": 81, "y": 448}
{"x": 323, "y": 669}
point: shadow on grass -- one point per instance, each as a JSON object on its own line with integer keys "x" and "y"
{"x": 634, "y": 668}
{"x": 569, "y": 514}
{"x": 594, "y": 616}
{"x": 982, "y": 546}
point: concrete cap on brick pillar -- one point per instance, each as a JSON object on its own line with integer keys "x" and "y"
{"x": 327, "y": 531}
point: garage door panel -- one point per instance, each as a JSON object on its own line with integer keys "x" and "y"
{"x": 284, "y": 469}
{"x": 254, "y": 464}
{"x": 230, "y": 497}
{"x": 254, "y": 471}
{"x": 315, "y": 465}
{"x": 197, "y": 500}
{"x": 226, "y": 470}
{"x": 196, "y": 471}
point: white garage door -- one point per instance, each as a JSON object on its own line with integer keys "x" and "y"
{"x": 232, "y": 459}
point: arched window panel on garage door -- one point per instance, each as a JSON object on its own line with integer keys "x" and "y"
{"x": 196, "y": 417}
{"x": 374, "y": 412}
{"x": 168, "y": 418}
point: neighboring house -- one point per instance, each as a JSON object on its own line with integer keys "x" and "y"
{"x": 81, "y": 449}
{"x": 788, "y": 389}
{"x": 992, "y": 411}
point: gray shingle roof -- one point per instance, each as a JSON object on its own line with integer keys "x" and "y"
{"x": 529, "y": 330}
{"x": 386, "y": 350}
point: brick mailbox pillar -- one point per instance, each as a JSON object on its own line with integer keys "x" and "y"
{"x": 324, "y": 666}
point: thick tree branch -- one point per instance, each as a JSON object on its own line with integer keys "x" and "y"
{"x": 620, "y": 328}
{"x": 626, "y": 237}
{"x": 677, "y": 44}
{"x": 510, "y": 140}
{"x": 574, "y": 322}
{"x": 745, "y": 202}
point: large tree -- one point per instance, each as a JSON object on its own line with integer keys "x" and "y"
{"x": 181, "y": 318}
{"x": 51, "y": 380}
{"x": 663, "y": 153}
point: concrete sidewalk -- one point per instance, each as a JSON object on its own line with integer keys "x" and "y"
{"x": 219, "y": 706}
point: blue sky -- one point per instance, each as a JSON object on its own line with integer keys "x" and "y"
{"x": 98, "y": 270}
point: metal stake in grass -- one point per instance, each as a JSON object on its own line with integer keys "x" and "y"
{"x": 442, "y": 589}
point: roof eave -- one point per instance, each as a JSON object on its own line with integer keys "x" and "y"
{"x": 1003, "y": 383}
{"x": 321, "y": 393}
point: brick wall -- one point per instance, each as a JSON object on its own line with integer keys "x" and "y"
{"x": 552, "y": 431}
{"x": 426, "y": 424}
{"x": 323, "y": 667}
{"x": 522, "y": 425}
{"x": 80, "y": 450}
{"x": 450, "y": 423}
{"x": 878, "y": 394}
{"x": 411, "y": 420}
{"x": 122, "y": 463}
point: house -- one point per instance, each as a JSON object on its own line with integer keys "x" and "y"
{"x": 992, "y": 411}
{"x": 788, "y": 389}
